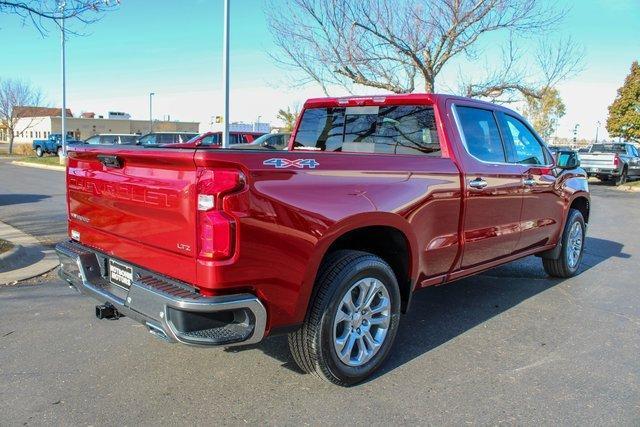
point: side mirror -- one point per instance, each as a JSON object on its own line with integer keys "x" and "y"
{"x": 567, "y": 160}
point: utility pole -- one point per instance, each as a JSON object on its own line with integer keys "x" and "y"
{"x": 151, "y": 111}
{"x": 225, "y": 76}
{"x": 62, "y": 5}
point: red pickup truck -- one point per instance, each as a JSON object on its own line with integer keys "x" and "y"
{"x": 376, "y": 198}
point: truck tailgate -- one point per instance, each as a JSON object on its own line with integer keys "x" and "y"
{"x": 598, "y": 160}
{"x": 146, "y": 196}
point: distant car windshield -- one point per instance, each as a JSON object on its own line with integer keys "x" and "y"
{"x": 608, "y": 148}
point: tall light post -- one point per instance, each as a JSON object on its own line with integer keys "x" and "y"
{"x": 62, "y": 5}
{"x": 225, "y": 76}
{"x": 597, "y": 129}
{"x": 151, "y": 111}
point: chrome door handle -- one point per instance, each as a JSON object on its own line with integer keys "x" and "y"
{"x": 529, "y": 182}
{"x": 478, "y": 183}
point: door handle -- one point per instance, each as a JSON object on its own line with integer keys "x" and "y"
{"x": 478, "y": 183}
{"x": 529, "y": 182}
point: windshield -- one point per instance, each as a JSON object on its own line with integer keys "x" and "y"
{"x": 608, "y": 148}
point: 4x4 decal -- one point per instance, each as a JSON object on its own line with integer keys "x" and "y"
{"x": 286, "y": 163}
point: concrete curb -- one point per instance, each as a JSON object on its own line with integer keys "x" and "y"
{"x": 38, "y": 166}
{"x": 14, "y": 251}
{"x": 31, "y": 260}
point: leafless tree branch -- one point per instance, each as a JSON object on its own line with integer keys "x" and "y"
{"x": 16, "y": 93}
{"x": 389, "y": 44}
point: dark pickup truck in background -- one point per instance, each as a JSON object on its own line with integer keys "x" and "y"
{"x": 375, "y": 198}
{"x": 615, "y": 162}
{"x": 51, "y": 145}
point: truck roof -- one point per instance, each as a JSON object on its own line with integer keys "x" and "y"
{"x": 385, "y": 99}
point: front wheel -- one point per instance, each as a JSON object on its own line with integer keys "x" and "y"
{"x": 572, "y": 249}
{"x": 351, "y": 322}
{"x": 39, "y": 151}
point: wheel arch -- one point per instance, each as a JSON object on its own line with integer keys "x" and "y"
{"x": 582, "y": 203}
{"x": 386, "y": 235}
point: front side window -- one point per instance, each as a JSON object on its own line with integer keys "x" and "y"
{"x": 526, "y": 147}
{"x": 481, "y": 134}
{"x": 393, "y": 129}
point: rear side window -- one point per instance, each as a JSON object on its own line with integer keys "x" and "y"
{"x": 481, "y": 134}
{"x": 526, "y": 147}
{"x": 395, "y": 129}
{"x": 608, "y": 148}
{"x": 108, "y": 139}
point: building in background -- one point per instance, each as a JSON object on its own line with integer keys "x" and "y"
{"x": 39, "y": 123}
{"x": 216, "y": 126}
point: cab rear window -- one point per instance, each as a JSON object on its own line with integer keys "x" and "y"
{"x": 394, "y": 129}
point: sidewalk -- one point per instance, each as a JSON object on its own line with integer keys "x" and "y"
{"x": 26, "y": 260}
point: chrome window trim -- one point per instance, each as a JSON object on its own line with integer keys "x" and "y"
{"x": 464, "y": 140}
{"x": 536, "y": 137}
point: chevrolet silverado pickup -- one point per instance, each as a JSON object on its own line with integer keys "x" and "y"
{"x": 376, "y": 198}
{"x": 615, "y": 162}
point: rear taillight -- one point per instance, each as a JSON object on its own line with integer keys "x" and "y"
{"x": 217, "y": 229}
{"x": 616, "y": 161}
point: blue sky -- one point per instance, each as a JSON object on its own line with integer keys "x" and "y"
{"x": 174, "y": 49}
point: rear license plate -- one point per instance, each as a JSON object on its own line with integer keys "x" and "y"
{"x": 120, "y": 274}
{"x": 594, "y": 170}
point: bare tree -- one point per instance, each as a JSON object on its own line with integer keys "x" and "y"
{"x": 395, "y": 45}
{"x": 551, "y": 64}
{"x": 41, "y": 12}
{"x": 13, "y": 94}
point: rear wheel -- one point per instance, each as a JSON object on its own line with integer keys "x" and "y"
{"x": 571, "y": 252}
{"x": 352, "y": 321}
{"x": 39, "y": 151}
{"x": 622, "y": 179}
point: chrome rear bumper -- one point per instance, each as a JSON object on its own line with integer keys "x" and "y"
{"x": 170, "y": 309}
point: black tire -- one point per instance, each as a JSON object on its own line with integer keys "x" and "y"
{"x": 312, "y": 346}
{"x": 621, "y": 179}
{"x": 562, "y": 267}
{"x": 39, "y": 151}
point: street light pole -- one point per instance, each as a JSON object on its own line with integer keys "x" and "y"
{"x": 64, "y": 87}
{"x": 597, "y": 129}
{"x": 225, "y": 76}
{"x": 151, "y": 111}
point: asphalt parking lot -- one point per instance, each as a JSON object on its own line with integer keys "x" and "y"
{"x": 508, "y": 346}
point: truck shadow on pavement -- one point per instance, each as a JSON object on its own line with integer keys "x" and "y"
{"x": 439, "y": 314}
{"x": 18, "y": 199}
